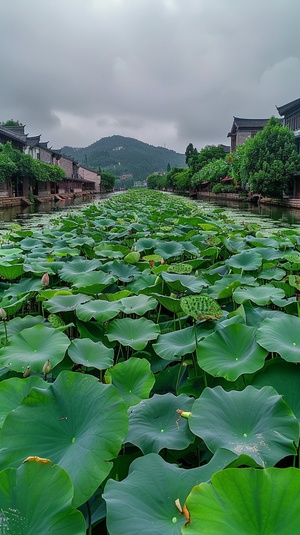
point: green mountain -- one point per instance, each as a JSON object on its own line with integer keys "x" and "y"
{"x": 125, "y": 156}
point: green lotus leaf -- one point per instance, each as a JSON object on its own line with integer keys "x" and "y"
{"x": 14, "y": 390}
{"x": 176, "y": 344}
{"x": 293, "y": 257}
{"x": 77, "y": 423}
{"x": 17, "y": 324}
{"x": 132, "y": 257}
{"x": 178, "y": 282}
{"x": 29, "y": 243}
{"x": 154, "y": 423}
{"x": 77, "y": 266}
{"x": 138, "y": 304}
{"x": 201, "y": 307}
{"x": 100, "y": 310}
{"x": 169, "y": 302}
{"x": 260, "y": 295}
{"x": 144, "y": 502}
{"x": 156, "y": 258}
{"x": 93, "y": 282}
{"x": 244, "y": 502}
{"x": 247, "y": 260}
{"x": 284, "y": 377}
{"x": 33, "y": 347}
{"x": 281, "y": 335}
{"x": 109, "y": 254}
{"x": 133, "y": 379}
{"x": 224, "y": 287}
{"x": 91, "y": 354}
{"x": 231, "y": 352}
{"x": 134, "y": 333}
{"x": 257, "y": 423}
{"x": 11, "y": 305}
{"x": 170, "y": 249}
{"x": 39, "y": 267}
{"x": 145, "y": 244}
{"x": 118, "y": 295}
{"x": 24, "y": 286}
{"x": 294, "y": 281}
{"x": 37, "y": 498}
{"x": 65, "y": 303}
{"x": 271, "y": 274}
{"x": 122, "y": 271}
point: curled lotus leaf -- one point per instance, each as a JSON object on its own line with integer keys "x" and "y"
{"x": 201, "y": 307}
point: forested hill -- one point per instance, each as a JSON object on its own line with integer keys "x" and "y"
{"x": 124, "y": 155}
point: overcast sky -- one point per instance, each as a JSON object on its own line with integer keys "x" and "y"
{"x": 166, "y": 72}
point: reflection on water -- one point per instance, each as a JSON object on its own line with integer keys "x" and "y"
{"x": 23, "y": 214}
{"x": 281, "y": 215}
{"x": 31, "y": 214}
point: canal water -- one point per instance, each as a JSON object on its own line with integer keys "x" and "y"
{"x": 31, "y": 215}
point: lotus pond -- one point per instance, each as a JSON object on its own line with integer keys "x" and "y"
{"x": 149, "y": 366}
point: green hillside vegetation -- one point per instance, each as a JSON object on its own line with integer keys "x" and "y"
{"x": 120, "y": 155}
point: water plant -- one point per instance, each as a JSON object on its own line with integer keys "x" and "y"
{"x": 149, "y": 351}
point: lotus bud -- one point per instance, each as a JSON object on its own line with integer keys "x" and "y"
{"x": 27, "y": 372}
{"x": 46, "y": 368}
{"x": 162, "y": 261}
{"x": 3, "y": 314}
{"x": 157, "y": 280}
{"x": 196, "y": 273}
{"x": 174, "y": 296}
{"x": 45, "y": 280}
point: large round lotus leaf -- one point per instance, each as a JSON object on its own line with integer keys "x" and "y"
{"x": 13, "y": 304}
{"x": 14, "y": 390}
{"x": 122, "y": 271}
{"x": 231, "y": 352}
{"x": 132, "y": 378}
{"x": 134, "y": 333}
{"x": 154, "y": 423}
{"x": 246, "y": 502}
{"x": 33, "y": 347}
{"x": 93, "y": 282}
{"x": 271, "y": 274}
{"x": 145, "y": 244}
{"x": 77, "y": 423}
{"x": 91, "y": 354}
{"x": 76, "y": 267}
{"x": 253, "y": 422}
{"x": 178, "y": 282}
{"x": 176, "y": 344}
{"x": 65, "y": 303}
{"x": 169, "y": 249}
{"x": 17, "y": 324}
{"x": 24, "y": 286}
{"x": 284, "y": 377}
{"x": 246, "y": 260}
{"x": 100, "y": 310}
{"x": 224, "y": 287}
{"x": 201, "y": 307}
{"x": 138, "y": 304}
{"x": 10, "y": 271}
{"x": 260, "y": 295}
{"x": 37, "y": 498}
{"x": 144, "y": 502}
{"x": 281, "y": 335}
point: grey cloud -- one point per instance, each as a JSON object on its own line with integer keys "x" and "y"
{"x": 164, "y": 71}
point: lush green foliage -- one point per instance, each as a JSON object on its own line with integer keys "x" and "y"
{"x": 107, "y": 182}
{"x": 269, "y": 160}
{"x": 197, "y": 160}
{"x": 16, "y": 164}
{"x": 149, "y": 354}
{"x": 213, "y": 172}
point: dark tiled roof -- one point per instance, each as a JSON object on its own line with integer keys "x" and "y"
{"x": 250, "y": 123}
{"x": 5, "y": 131}
{"x": 289, "y": 107}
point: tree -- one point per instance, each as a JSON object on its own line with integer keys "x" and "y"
{"x": 208, "y": 154}
{"x": 107, "y": 182}
{"x": 11, "y": 122}
{"x": 212, "y": 172}
{"x": 270, "y": 160}
{"x": 190, "y": 152}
